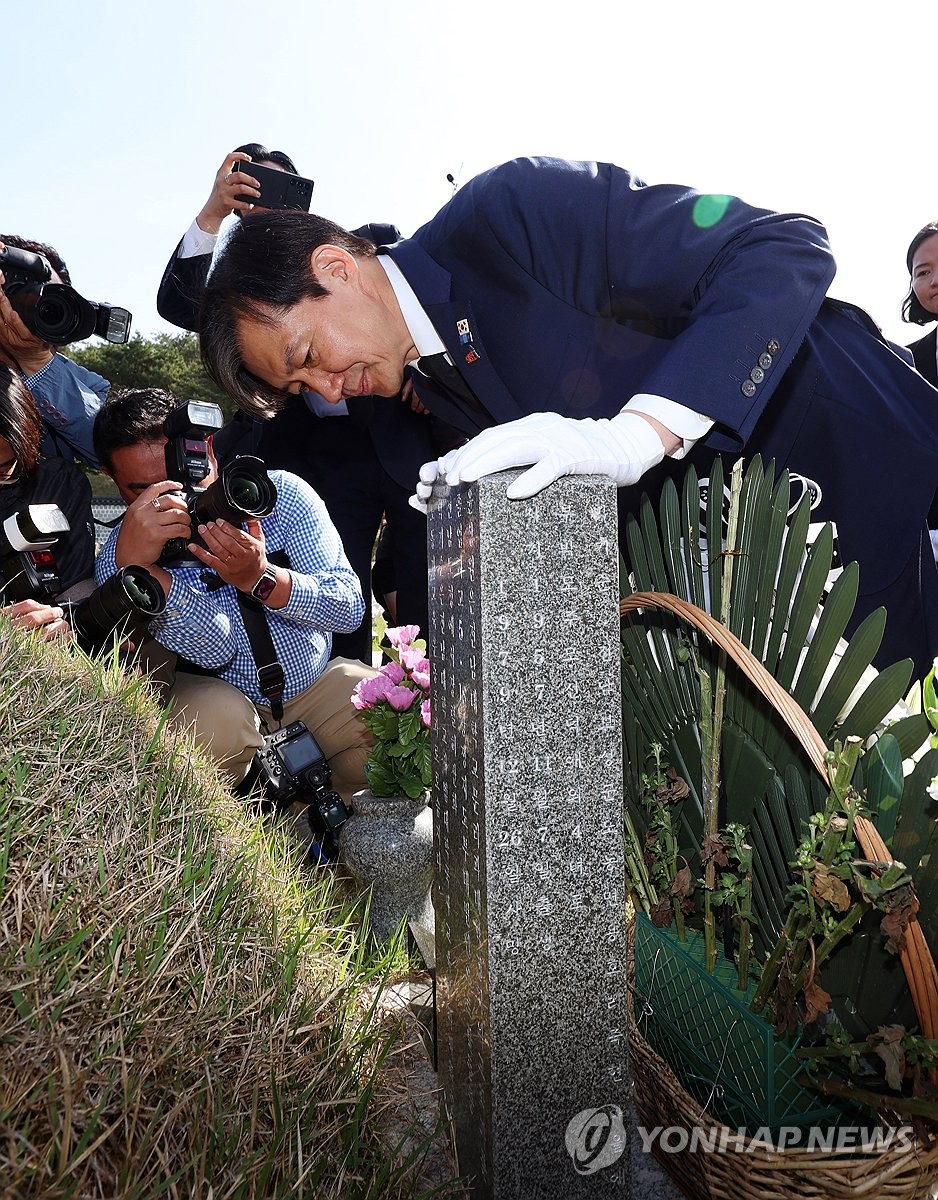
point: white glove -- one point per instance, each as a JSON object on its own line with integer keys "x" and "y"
{"x": 429, "y": 473}
{"x": 623, "y": 448}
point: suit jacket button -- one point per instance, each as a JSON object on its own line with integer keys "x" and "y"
{"x": 773, "y": 347}
{"x": 748, "y": 388}
{"x": 757, "y": 374}
{"x": 765, "y": 361}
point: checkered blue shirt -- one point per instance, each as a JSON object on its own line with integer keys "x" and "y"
{"x": 206, "y": 626}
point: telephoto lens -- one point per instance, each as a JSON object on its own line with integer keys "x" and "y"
{"x": 125, "y": 602}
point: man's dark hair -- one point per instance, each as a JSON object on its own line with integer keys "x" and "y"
{"x": 260, "y": 154}
{"x": 263, "y": 266}
{"x": 913, "y": 310}
{"x": 56, "y": 261}
{"x": 20, "y": 422}
{"x": 128, "y": 417}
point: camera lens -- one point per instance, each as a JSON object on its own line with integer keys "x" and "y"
{"x": 54, "y": 312}
{"x": 243, "y": 491}
{"x": 131, "y": 597}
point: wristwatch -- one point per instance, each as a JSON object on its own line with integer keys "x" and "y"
{"x": 265, "y": 585}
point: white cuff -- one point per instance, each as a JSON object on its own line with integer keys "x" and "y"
{"x": 196, "y": 241}
{"x": 687, "y": 424}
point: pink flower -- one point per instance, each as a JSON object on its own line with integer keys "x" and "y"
{"x": 393, "y": 671}
{"x": 425, "y": 713}
{"x": 403, "y": 635}
{"x": 400, "y": 698}
{"x": 420, "y": 673}
{"x": 411, "y": 656}
{"x": 368, "y": 692}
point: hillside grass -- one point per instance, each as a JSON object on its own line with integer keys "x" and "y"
{"x": 184, "y": 1011}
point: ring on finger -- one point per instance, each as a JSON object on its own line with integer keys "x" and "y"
{"x": 228, "y": 177}
{"x": 156, "y": 504}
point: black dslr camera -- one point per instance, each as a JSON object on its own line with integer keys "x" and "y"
{"x": 54, "y": 311}
{"x": 243, "y": 490}
{"x": 123, "y": 603}
{"x": 27, "y": 564}
{"x": 292, "y": 767}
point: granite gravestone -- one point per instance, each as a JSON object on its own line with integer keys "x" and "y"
{"x": 529, "y": 887}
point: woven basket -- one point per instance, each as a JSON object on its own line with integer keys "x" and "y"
{"x": 906, "y": 1169}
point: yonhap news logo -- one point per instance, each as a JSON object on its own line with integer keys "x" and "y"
{"x": 831, "y": 1139}
{"x": 596, "y": 1138}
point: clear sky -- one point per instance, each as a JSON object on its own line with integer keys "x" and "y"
{"x": 118, "y": 114}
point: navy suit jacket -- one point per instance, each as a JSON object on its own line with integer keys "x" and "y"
{"x": 570, "y": 287}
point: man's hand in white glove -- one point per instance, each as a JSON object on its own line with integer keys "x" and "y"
{"x": 623, "y": 448}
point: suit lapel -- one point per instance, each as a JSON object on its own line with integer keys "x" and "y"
{"x": 451, "y": 319}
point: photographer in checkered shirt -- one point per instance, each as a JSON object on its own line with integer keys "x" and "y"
{"x": 292, "y": 561}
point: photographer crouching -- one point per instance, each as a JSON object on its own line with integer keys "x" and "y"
{"x": 47, "y": 544}
{"x": 251, "y": 604}
{"x": 46, "y": 538}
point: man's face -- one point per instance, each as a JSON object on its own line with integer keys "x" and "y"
{"x": 349, "y": 343}
{"x": 134, "y": 468}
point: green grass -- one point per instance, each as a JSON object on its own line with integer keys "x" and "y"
{"x": 184, "y": 1011}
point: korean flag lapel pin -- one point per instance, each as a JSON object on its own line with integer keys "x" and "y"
{"x": 469, "y": 352}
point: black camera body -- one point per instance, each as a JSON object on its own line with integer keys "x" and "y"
{"x": 27, "y": 564}
{"x": 294, "y": 768}
{"x": 243, "y": 490}
{"x": 279, "y": 189}
{"x": 55, "y": 312}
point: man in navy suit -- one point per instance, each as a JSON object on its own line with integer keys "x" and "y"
{"x": 594, "y": 324}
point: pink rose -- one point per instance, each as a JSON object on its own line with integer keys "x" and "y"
{"x": 425, "y": 713}
{"x": 400, "y": 698}
{"x": 403, "y": 635}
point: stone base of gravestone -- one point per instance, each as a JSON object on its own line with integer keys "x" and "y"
{"x": 529, "y": 888}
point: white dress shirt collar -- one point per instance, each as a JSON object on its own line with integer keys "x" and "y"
{"x": 419, "y": 325}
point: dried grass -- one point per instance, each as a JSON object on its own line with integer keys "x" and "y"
{"x": 180, "y": 1010}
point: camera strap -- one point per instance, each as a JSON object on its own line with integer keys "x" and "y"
{"x": 270, "y": 675}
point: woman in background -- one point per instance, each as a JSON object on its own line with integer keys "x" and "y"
{"x": 920, "y": 306}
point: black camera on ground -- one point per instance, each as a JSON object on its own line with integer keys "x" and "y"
{"x": 293, "y": 768}
{"x": 54, "y": 311}
{"x": 27, "y": 564}
{"x": 243, "y": 490}
{"x": 121, "y": 607}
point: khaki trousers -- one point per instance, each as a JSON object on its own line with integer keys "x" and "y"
{"x": 229, "y": 727}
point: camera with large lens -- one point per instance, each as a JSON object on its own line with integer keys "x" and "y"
{"x": 55, "y": 312}
{"x": 243, "y": 490}
{"x": 123, "y": 604}
{"x": 27, "y": 564}
{"x": 120, "y": 608}
{"x": 293, "y": 767}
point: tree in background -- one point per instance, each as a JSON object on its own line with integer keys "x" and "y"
{"x": 167, "y": 360}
